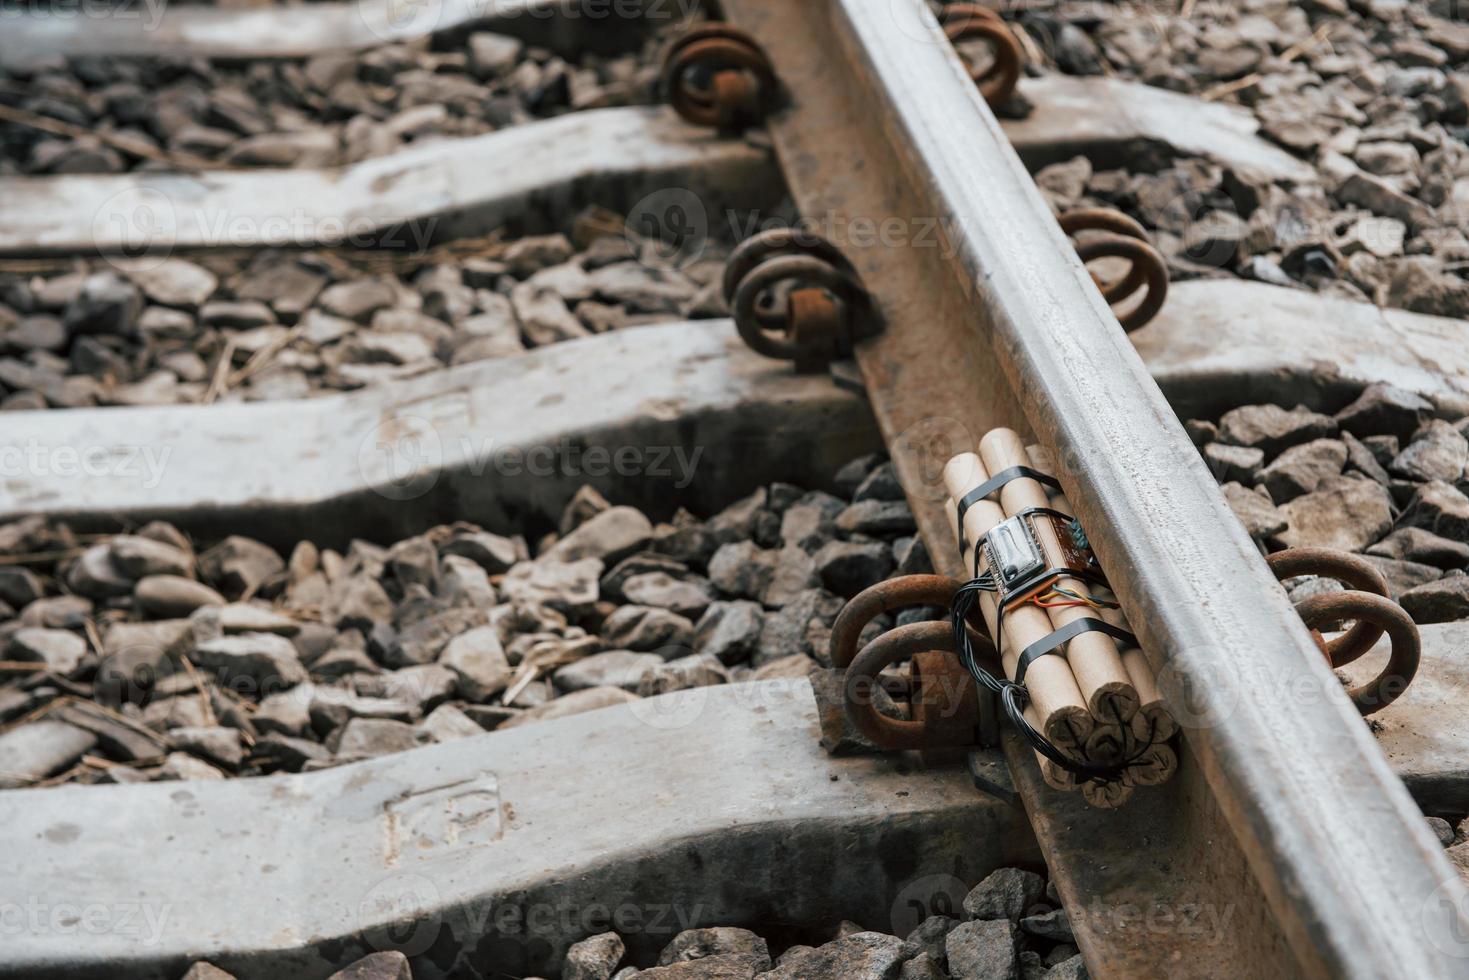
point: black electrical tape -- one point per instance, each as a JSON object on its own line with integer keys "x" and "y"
{"x": 1051, "y": 643}
{"x": 997, "y": 482}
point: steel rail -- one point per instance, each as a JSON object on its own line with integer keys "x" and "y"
{"x": 1284, "y": 796}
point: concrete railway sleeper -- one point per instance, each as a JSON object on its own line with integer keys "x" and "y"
{"x": 496, "y": 664}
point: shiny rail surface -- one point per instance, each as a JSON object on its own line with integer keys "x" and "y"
{"x": 1286, "y": 810}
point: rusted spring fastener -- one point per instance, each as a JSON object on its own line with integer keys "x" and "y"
{"x": 944, "y": 698}
{"x": 716, "y": 75}
{"x": 968, "y": 22}
{"x": 1121, "y": 237}
{"x": 1369, "y": 610}
{"x": 827, "y": 309}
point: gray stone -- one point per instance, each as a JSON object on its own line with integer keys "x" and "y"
{"x": 254, "y": 662}
{"x": 1421, "y": 285}
{"x": 173, "y": 596}
{"x": 729, "y": 631}
{"x": 1384, "y": 410}
{"x": 685, "y": 597}
{"x": 544, "y": 317}
{"x": 1052, "y": 925}
{"x": 478, "y": 662}
{"x": 614, "y": 668}
{"x": 682, "y": 673}
{"x": 227, "y": 315}
{"x": 446, "y": 723}
{"x": 364, "y": 738}
{"x": 1362, "y": 459}
{"x": 492, "y": 55}
{"x": 572, "y": 704}
{"x": 216, "y": 744}
{"x": 983, "y": 949}
{"x": 136, "y": 557}
{"x": 697, "y": 944}
{"x": 924, "y": 966}
{"x": 1378, "y": 195}
{"x": 286, "y": 752}
{"x": 568, "y": 587}
{"x": 1007, "y": 893}
{"x": 1440, "y": 508}
{"x": 530, "y": 254}
{"x": 1272, "y": 429}
{"x": 1403, "y": 576}
{"x": 1417, "y": 545}
{"x": 862, "y": 956}
{"x": 1438, "y": 453}
{"x": 1443, "y": 601}
{"x": 358, "y": 602}
{"x": 1233, "y": 464}
{"x": 105, "y": 304}
{"x": 136, "y": 655}
{"x": 811, "y": 521}
{"x": 61, "y": 652}
{"x": 357, "y": 299}
{"x": 37, "y": 749}
{"x": 742, "y": 568}
{"x": 1350, "y": 516}
{"x": 1071, "y": 968}
{"x": 642, "y": 289}
{"x": 386, "y": 965}
{"x": 929, "y": 937}
{"x": 1302, "y": 469}
{"x": 206, "y": 971}
{"x": 646, "y": 629}
{"x": 611, "y": 536}
{"x": 793, "y": 571}
{"x": 96, "y": 576}
{"x": 181, "y": 766}
{"x": 848, "y": 567}
{"x": 724, "y": 966}
{"x": 493, "y": 553}
{"x": 1442, "y": 829}
{"x": 239, "y": 565}
{"x": 802, "y": 626}
{"x": 19, "y": 586}
{"x": 173, "y": 282}
{"x": 877, "y": 518}
{"x": 463, "y": 583}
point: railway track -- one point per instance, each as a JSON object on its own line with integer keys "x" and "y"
{"x": 344, "y": 454}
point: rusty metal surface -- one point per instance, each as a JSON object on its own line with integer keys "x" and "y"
{"x": 1285, "y": 813}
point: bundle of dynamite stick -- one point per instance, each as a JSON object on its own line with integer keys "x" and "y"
{"x": 1094, "y": 698}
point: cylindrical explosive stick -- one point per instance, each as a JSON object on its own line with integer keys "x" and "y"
{"x": 1153, "y": 721}
{"x": 1095, "y": 660}
{"x": 1052, "y": 688}
{"x": 1055, "y": 776}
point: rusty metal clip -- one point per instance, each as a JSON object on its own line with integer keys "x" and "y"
{"x": 1371, "y": 613}
{"x": 997, "y": 80}
{"x": 945, "y": 701}
{"x": 717, "y": 75}
{"x": 826, "y": 307}
{"x": 1118, "y": 236}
